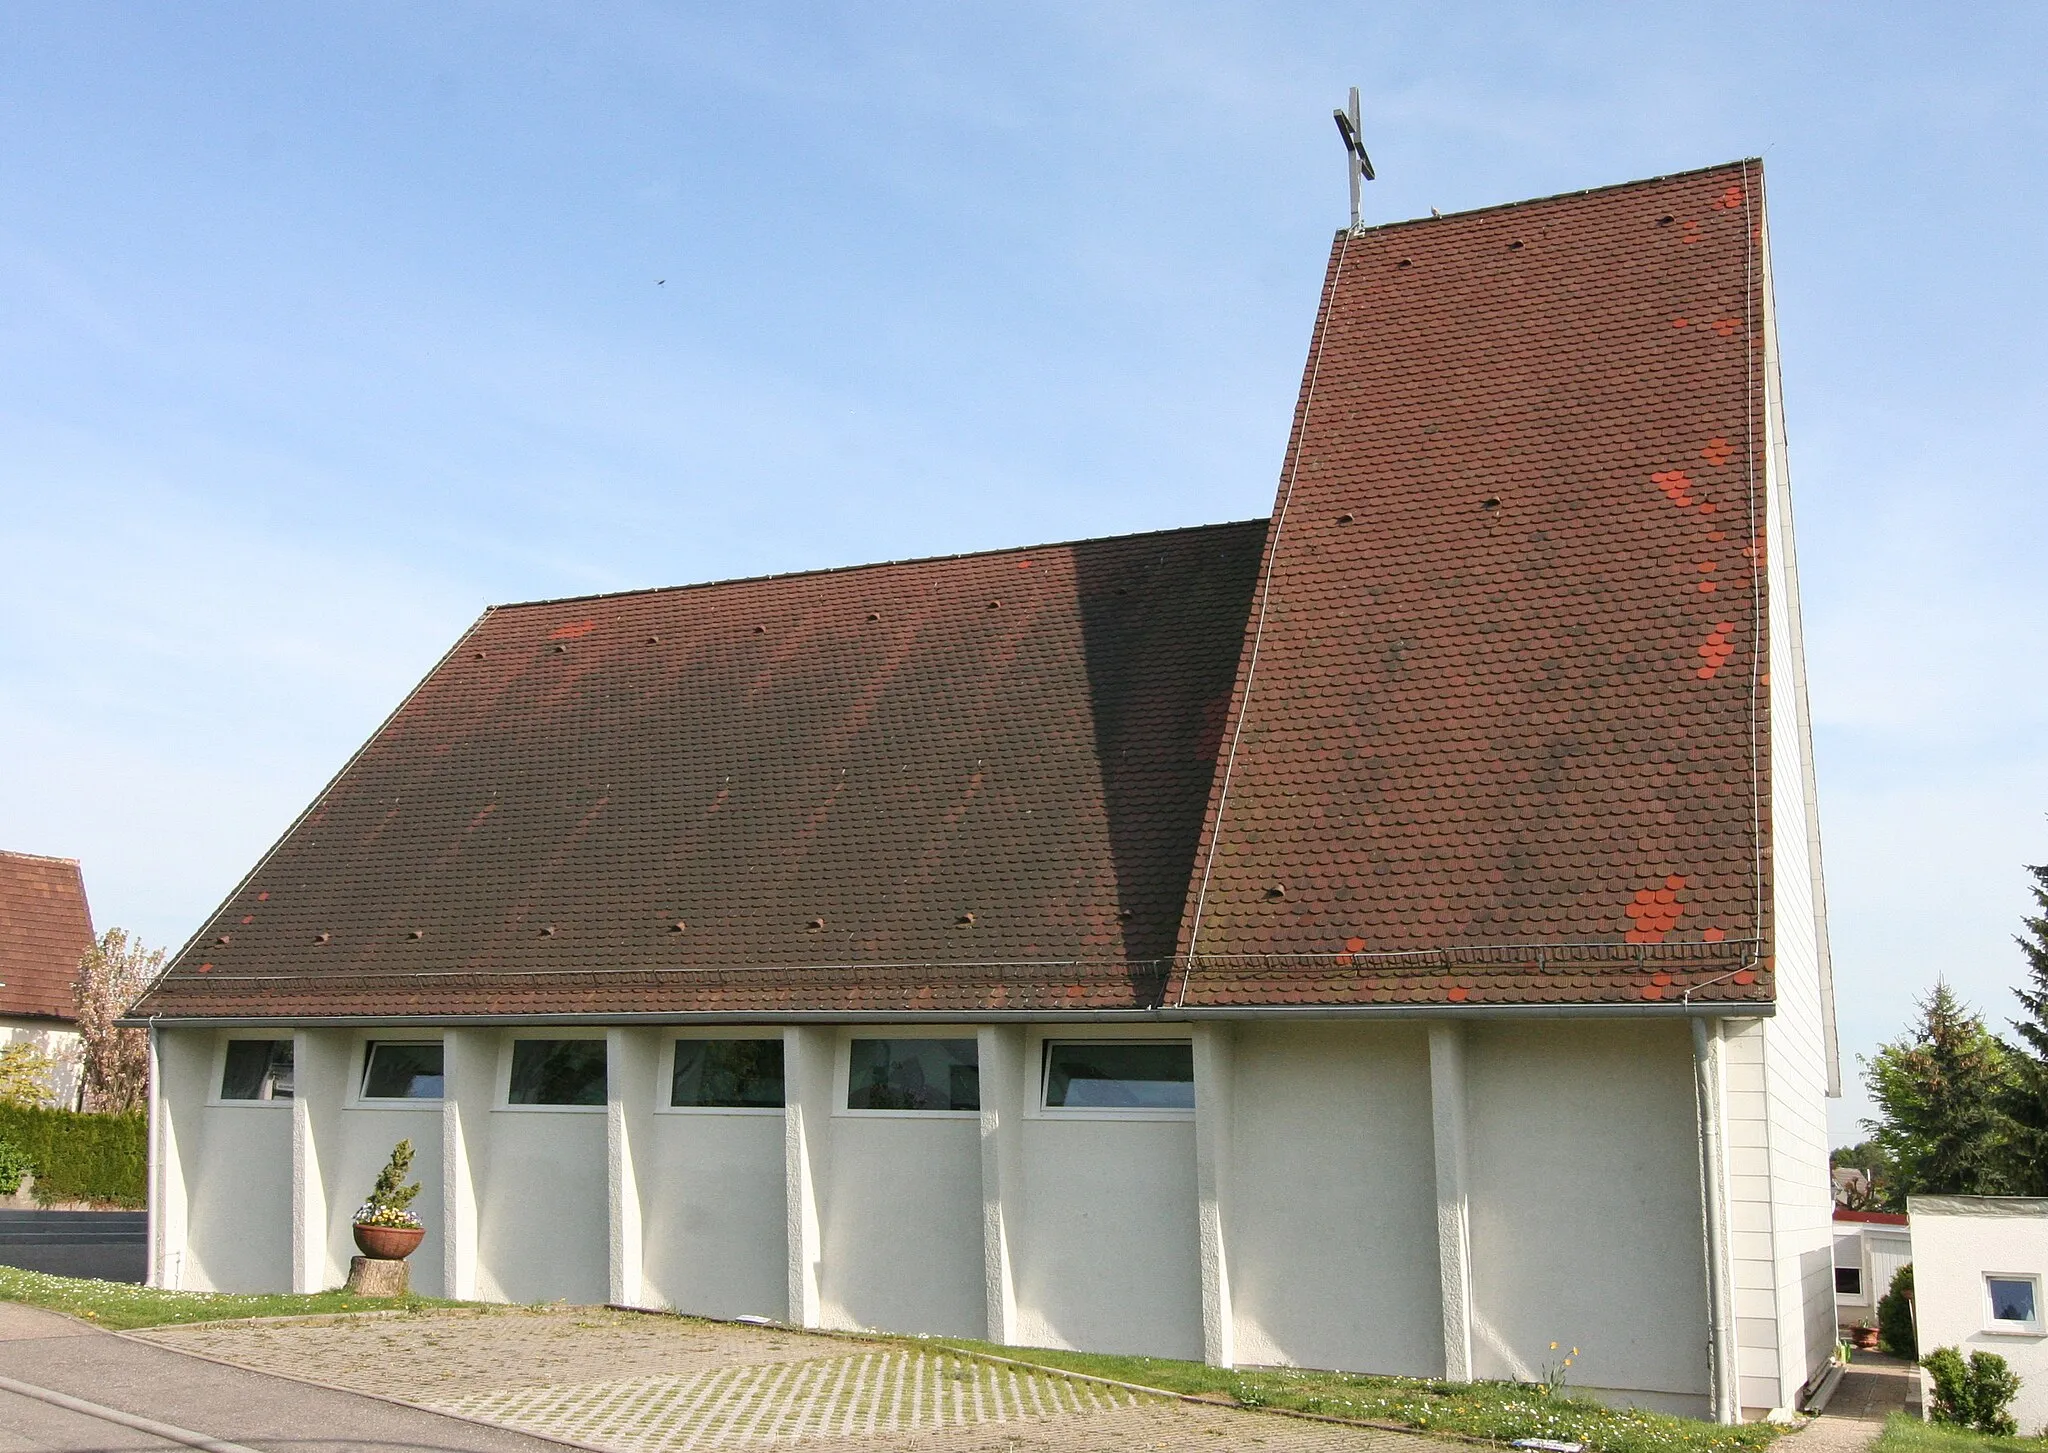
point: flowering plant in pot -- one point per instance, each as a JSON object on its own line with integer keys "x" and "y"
{"x": 385, "y": 1225}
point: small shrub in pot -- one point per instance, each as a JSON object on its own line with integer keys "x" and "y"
{"x": 386, "y": 1226}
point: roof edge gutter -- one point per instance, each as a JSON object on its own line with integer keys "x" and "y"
{"x": 1165, "y": 1015}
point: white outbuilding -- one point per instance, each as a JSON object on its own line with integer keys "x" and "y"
{"x": 1387, "y": 935}
{"x": 1979, "y": 1263}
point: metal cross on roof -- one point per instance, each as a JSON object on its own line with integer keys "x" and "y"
{"x": 1361, "y": 164}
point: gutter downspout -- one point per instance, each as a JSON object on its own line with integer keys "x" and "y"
{"x": 1724, "y": 1394}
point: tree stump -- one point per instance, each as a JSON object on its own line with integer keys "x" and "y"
{"x": 376, "y": 1276}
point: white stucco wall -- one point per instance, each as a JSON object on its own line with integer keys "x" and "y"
{"x": 1585, "y": 1212}
{"x": 1332, "y": 1226}
{"x": 542, "y": 1207}
{"x": 1104, "y": 1236}
{"x": 238, "y": 1176}
{"x": 899, "y": 1215}
{"x": 713, "y": 1215}
{"x": 1581, "y": 1173}
{"x": 1957, "y": 1240}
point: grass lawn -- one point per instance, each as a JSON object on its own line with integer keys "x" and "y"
{"x": 122, "y": 1306}
{"x": 1904, "y": 1434}
{"x": 1503, "y": 1410}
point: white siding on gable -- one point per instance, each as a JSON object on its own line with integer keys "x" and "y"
{"x": 1746, "y": 1104}
{"x": 1798, "y": 1048}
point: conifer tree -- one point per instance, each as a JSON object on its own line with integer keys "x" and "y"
{"x": 2026, "y": 1100}
{"x": 1940, "y": 1092}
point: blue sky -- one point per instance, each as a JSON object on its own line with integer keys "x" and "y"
{"x": 324, "y": 326}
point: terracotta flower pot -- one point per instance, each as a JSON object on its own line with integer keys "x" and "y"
{"x": 388, "y": 1243}
{"x": 1866, "y": 1339}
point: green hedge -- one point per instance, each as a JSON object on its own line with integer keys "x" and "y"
{"x": 101, "y": 1158}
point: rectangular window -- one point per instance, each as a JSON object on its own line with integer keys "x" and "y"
{"x": 402, "y": 1071}
{"x": 257, "y": 1069}
{"x": 1849, "y": 1281}
{"x": 2015, "y": 1303}
{"x": 557, "y": 1072}
{"x": 1103, "y": 1075}
{"x": 913, "y": 1074}
{"x": 727, "y": 1074}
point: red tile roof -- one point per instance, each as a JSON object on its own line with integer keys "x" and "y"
{"x": 1503, "y": 684}
{"x": 1872, "y": 1218}
{"x": 801, "y": 792}
{"x": 1497, "y": 734}
{"x": 45, "y": 928}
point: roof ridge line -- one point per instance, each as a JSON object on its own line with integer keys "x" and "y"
{"x": 875, "y": 565}
{"x": 1368, "y": 229}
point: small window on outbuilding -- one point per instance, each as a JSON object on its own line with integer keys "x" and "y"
{"x": 1107, "y": 1075}
{"x": 257, "y": 1069}
{"x": 913, "y": 1074}
{"x": 727, "y": 1074}
{"x": 2013, "y": 1303}
{"x": 557, "y": 1072}
{"x": 402, "y": 1070}
{"x": 1849, "y": 1281}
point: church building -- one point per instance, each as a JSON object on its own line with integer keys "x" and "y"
{"x": 1387, "y": 935}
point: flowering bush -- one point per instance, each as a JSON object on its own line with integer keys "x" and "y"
{"x": 391, "y": 1199}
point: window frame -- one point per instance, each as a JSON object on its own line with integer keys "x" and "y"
{"x": 1995, "y": 1326}
{"x": 359, "y": 1055}
{"x": 1037, "y": 1053}
{"x": 842, "y": 1070}
{"x": 214, "y": 1097}
{"x": 665, "y": 1073}
{"x": 502, "y": 1100}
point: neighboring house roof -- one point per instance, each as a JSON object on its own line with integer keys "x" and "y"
{"x": 1497, "y": 734}
{"x": 836, "y": 781}
{"x": 1872, "y": 1218}
{"x": 45, "y": 928}
{"x": 1505, "y": 681}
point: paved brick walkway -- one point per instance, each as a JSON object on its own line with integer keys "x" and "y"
{"x": 637, "y": 1384}
{"x": 1874, "y": 1387}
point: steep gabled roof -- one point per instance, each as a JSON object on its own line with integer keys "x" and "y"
{"x": 45, "y": 928}
{"x": 809, "y": 792}
{"x": 1498, "y": 732}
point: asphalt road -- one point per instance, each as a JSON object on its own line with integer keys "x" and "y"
{"x": 228, "y": 1405}
{"x": 109, "y": 1245}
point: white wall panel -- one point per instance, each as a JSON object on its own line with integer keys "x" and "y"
{"x": 1333, "y": 1232}
{"x": 240, "y": 1175}
{"x": 900, "y": 1224}
{"x": 714, "y": 1233}
{"x": 1586, "y": 1225}
{"x": 543, "y": 1217}
{"x": 1107, "y": 1251}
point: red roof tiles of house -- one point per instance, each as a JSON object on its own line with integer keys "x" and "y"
{"x": 802, "y": 793}
{"x": 1503, "y": 683}
{"x": 45, "y": 928}
{"x": 1497, "y": 735}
